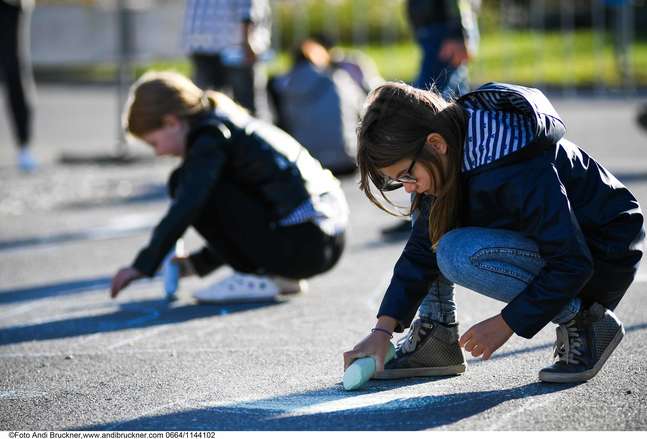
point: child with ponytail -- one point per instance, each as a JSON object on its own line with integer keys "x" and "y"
{"x": 507, "y": 207}
{"x": 263, "y": 205}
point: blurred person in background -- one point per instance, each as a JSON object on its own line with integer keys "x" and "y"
{"x": 319, "y": 101}
{"x": 361, "y": 67}
{"x": 263, "y": 205}
{"x": 447, "y": 33}
{"x": 15, "y": 66}
{"x": 224, "y": 39}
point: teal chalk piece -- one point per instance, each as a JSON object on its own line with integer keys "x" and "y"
{"x": 362, "y": 370}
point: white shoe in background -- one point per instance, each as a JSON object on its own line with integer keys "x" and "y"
{"x": 290, "y": 286}
{"x": 245, "y": 288}
{"x": 26, "y": 161}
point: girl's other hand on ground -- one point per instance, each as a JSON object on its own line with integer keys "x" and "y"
{"x": 375, "y": 345}
{"x": 122, "y": 279}
{"x": 486, "y": 337}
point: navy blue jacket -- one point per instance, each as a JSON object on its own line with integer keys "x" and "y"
{"x": 520, "y": 174}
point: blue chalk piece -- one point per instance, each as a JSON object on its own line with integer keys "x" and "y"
{"x": 362, "y": 370}
{"x": 171, "y": 275}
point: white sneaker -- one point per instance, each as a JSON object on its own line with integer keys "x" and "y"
{"x": 239, "y": 288}
{"x": 26, "y": 161}
{"x": 290, "y": 287}
{"x": 244, "y": 288}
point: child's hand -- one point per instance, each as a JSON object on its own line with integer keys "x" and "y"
{"x": 486, "y": 337}
{"x": 375, "y": 345}
{"x": 122, "y": 279}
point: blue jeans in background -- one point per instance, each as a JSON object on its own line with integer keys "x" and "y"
{"x": 450, "y": 81}
{"x": 496, "y": 263}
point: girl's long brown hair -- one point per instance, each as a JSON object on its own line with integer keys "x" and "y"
{"x": 157, "y": 94}
{"x": 396, "y": 122}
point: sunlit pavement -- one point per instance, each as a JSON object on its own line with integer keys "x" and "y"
{"x": 71, "y": 358}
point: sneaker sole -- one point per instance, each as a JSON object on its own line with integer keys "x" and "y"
{"x": 394, "y": 374}
{"x": 552, "y": 377}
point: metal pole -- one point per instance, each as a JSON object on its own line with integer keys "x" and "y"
{"x": 302, "y": 25}
{"x": 567, "y": 15}
{"x": 360, "y": 22}
{"x": 331, "y": 20}
{"x": 538, "y": 24}
{"x": 505, "y": 59}
{"x": 125, "y": 43}
{"x": 626, "y": 35}
{"x": 276, "y": 27}
{"x": 597, "y": 17}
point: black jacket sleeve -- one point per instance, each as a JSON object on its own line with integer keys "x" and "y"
{"x": 200, "y": 171}
{"x": 413, "y": 274}
{"x": 547, "y": 217}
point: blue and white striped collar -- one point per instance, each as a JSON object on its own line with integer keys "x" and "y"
{"x": 492, "y": 135}
{"x": 503, "y": 119}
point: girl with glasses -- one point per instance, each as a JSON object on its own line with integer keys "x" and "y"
{"x": 264, "y": 206}
{"x": 505, "y": 206}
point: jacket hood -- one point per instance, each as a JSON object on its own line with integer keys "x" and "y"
{"x": 504, "y": 120}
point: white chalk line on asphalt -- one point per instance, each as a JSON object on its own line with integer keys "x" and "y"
{"x": 126, "y": 352}
{"x": 328, "y": 400}
{"x": 122, "y": 227}
{"x": 21, "y": 309}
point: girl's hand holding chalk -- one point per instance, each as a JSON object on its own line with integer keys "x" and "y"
{"x": 363, "y": 369}
{"x": 376, "y": 346}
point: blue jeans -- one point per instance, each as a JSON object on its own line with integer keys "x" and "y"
{"x": 450, "y": 81}
{"x": 496, "y": 263}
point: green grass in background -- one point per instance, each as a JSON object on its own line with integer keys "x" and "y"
{"x": 519, "y": 57}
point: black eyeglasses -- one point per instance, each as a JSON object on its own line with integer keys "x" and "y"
{"x": 390, "y": 184}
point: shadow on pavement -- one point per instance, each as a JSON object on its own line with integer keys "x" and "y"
{"x": 131, "y": 315}
{"x": 334, "y": 409}
{"x": 630, "y": 177}
{"x": 150, "y": 193}
{"x": 55, "y": 289}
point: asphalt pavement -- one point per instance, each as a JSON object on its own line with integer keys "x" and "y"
{"x": 72, "y": 358}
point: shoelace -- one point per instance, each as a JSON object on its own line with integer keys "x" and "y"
{"x": 568, "y": 343}
{"x": 408, "y": 344}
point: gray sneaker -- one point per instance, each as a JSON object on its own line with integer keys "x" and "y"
{"x": 429, "y": 349}
{"x": 583, "y": 345}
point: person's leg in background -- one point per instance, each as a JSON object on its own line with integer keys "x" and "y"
{"x": 451, "y": 81}
{"x": 249, "y": 87}
{"x": 208, "y": 72}
{"x": 16, "y": 69}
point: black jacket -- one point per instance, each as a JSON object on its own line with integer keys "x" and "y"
{"x": 520, "y": 174}
{"x": 257, "y": 156}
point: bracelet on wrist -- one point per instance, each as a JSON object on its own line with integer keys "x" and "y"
{"x": 389, "y": 333}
